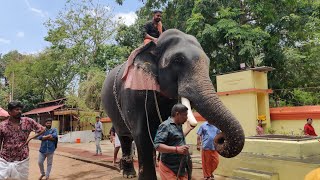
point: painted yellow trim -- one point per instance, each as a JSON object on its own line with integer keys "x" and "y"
{"x": 242, "y": 91}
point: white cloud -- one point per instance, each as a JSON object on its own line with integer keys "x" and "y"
{"x": 37, "y": 11}
{"x": 107, "y": 8}
{"x": 127, "y": 18}
{"x": 5, "y": 41}
{"x": 20, "y": 34}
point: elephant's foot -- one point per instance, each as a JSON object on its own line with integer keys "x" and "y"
{"x": 127, "y": 168}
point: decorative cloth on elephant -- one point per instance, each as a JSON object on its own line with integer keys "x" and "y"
{"x": 136, "y": 78}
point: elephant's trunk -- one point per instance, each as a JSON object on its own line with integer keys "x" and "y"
{"x": 205, "y": 100}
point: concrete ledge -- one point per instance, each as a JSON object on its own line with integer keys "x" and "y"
{"x": 282, "y": 148}
{"x": 255, "y": 174}
{"x": 284, "y": 167}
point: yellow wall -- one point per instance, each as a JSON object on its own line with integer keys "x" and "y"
{"x": 260, "y": 80}
{"x": 242, "y": 80}
{"x": 263, "y": 108}
{"x": 235, "y": 81}
{"x": 247, "y": 105}
{"x": 244, "y": 108}
{"x": 293, "y": 126}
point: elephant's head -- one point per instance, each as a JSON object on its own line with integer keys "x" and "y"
{"x": 184, "y": 71}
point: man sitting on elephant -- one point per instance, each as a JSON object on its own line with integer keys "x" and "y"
{"x": 136, "y": 77}
{"x": 153, "y": 29}
{"x": 170, "y": 141}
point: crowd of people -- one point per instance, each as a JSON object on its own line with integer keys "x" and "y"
{"x": 175, "y": 160}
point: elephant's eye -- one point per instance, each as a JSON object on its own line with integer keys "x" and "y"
{"x": 178, "y": 59}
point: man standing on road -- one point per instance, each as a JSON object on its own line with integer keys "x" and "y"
{"x": 98, "y": 135}
{"x": 210, "y": 157}
{"x": 47, "y": 148}
{"x": 14, "y": 139}
{"x": 154, "y": 28}
{"x": 170, "y": 141}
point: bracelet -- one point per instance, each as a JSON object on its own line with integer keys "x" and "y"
{"x": 177, "y": 149}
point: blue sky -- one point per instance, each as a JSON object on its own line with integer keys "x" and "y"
{"x": 22, "y": 21}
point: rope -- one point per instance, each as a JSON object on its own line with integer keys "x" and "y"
{"x": 157, "y": 106}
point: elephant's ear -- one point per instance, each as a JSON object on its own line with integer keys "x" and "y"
{"x": 151, "y": 45}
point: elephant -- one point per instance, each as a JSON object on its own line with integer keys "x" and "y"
{"x": 181, "y": 69}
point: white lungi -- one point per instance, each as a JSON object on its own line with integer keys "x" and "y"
{"x": 116, "y": 141}
{"x": 14, "y": 170}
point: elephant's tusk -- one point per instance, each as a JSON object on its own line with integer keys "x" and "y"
{"x": 191, "y": 119}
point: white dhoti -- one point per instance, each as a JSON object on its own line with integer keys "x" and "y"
{"x": 14, "y": 170}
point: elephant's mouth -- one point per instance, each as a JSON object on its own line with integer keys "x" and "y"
{"x": 220, "y": 138}
{"x": 191, "y": 119}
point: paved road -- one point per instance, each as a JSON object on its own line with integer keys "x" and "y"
{"x": 70, "y": 169}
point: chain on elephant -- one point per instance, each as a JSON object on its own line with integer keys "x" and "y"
{"x": 126, "y": 165}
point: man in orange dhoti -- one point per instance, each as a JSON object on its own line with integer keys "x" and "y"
{"x": 154, "y": 28}
{"x": 210, "y": 157}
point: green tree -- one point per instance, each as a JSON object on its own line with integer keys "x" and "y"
{"x": 83, "y": 26}
{"x": 46, "y": 76}
{"x": 54, "y": 71}
{"x": 111, "y": 55}
{"x": 22, "y": 84}
{"x": 90, "y": 89}
{"x": 4, "y": 96}
{"x": 283, "y": 35}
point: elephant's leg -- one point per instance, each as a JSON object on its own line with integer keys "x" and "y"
{"x": 127, "y": 158}
{"x": 145, "y": 156}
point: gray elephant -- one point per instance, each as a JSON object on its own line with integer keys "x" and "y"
{"x": 180, "y": 68}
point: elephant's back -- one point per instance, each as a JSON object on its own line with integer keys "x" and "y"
{"x": 107, "y": 95}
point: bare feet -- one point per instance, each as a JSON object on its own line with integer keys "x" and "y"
{"x": 41, "y": 177}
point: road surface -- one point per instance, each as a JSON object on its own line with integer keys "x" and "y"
{"x": 70, "y": 169}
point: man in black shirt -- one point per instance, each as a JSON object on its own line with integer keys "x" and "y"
{"x": 154, "y": 28}
{"x": 170, "y": 141}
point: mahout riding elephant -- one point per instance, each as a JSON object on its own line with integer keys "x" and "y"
{"x": 180, "y": 68}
